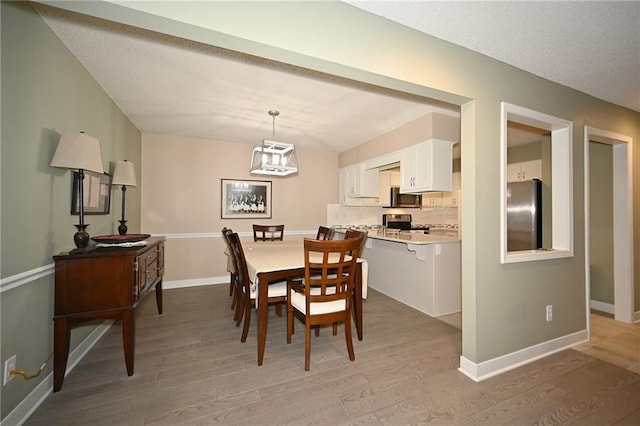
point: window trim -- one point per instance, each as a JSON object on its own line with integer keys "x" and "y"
{"x": 561, "y": 185}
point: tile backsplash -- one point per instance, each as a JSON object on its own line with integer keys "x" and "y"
{"x": 338, "y": 214}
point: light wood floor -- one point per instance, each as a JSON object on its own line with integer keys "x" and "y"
{"x": 611, "y": 341}
{"x": 192, "y": 369}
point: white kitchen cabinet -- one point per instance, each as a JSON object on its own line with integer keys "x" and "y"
{"x": 358, "y": 186}
{"x": 525, "y": 170}
{"x": 361, "y": 182}
{"x": 426, "y": 166}
{"x": 345, "y": 199}
{"x": 450, "y": 199}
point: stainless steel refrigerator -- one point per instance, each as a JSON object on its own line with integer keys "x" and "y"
{"x": 524, "y": 215}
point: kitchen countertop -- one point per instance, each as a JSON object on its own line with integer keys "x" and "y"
{"x": 412, "y": 237}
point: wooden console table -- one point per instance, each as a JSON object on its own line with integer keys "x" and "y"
{"x": 106, "y": 283}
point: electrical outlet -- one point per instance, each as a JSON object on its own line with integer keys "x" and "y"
{"x": 9, "y": 365}
{"x": 549, "y": 313}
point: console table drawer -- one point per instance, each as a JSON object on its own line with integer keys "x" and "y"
{"x": 149, "y": 266}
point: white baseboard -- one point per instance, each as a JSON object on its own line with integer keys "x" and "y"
{"x": 27, "y": 406}
{"x": 195, "y": 282}
{"x": 602, "y": 306}
{"x": 636, "y": 317}
{"x": 502, "y": 364}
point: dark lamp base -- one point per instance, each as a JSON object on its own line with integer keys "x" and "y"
{"x": 122, "y": 229}
{"x": 81, "y": 238}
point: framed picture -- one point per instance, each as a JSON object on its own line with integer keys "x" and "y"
{"x": 96, "y": 193}
{"x": 246, "y": 199}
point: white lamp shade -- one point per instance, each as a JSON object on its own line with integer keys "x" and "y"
{"x": 124, "y": 174}
{"x": 78, "y": 151}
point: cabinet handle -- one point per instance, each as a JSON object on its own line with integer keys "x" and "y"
{"x": 135, "y": 265}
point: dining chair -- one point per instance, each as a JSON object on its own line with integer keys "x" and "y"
{"x": 268, "y": 232}
{"x": 246, "y": 290}
{"x": 324, "y": 233}
{"x": 352, "y": 233}
{"x": 324, "y": 295}
{"x": 225, "y": 231}
{"x": 233, "y": 277}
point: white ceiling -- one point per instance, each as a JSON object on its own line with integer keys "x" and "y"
{"x": 590, "y": 46}
{"x": 172, "y": 86}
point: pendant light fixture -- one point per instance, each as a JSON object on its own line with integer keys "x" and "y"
{"x": 274, "y": 158}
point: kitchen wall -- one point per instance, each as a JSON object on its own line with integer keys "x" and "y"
{"x": 430, "y": 126}
{"x": 181, "y": 199}
{"x": 46, "y": 91}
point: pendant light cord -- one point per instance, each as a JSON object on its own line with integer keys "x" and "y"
{"x": 273, "y": 113}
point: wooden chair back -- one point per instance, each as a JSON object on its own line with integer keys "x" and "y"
{"x": 268, "y": 232}
{"x": 324, "y": 233}
{"x": 242, "y": 273}
{"x": 352, "y": 233}
{"x": 232, "y": 274}
{"x": 330, "y": 264}
{"x": 225, "y": 236}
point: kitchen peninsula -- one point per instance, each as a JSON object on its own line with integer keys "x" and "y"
{"x": 420, "y": 270}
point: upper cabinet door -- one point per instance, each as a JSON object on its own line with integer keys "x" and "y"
{"x": 427, "y": 166}
{"x": 526, "y": 170}
{"x": 361, "y": 182}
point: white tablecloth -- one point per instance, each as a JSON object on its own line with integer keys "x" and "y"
{"x": 266, "y": 256}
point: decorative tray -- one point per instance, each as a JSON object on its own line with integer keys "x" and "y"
{"x": 116, "y": 239}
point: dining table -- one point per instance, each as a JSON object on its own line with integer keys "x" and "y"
{"x": 272, "y": 261}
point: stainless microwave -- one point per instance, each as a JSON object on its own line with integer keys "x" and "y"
{"x": 404, "y": 200}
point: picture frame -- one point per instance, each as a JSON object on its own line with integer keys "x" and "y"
{"x": 245, "y": 199}
{"x": 96, "y": 193}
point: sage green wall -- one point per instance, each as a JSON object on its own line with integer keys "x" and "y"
{"x": 601, "y": 221}
{"x": 503, "y": 305}
{"x": 46, "y": 91}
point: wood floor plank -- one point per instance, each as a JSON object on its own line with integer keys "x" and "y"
{"x": 191, "y": 369}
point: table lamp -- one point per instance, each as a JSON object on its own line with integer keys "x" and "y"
{"x": 124, "y": 174}
{"x": 79, "y": 151}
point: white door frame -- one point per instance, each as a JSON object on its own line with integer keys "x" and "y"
{"x": 622, "y": 220}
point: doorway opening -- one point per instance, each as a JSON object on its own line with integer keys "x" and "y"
{"x": 621, "y": 222}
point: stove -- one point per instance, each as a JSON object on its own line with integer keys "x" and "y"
{"x": 402, "y": 222}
